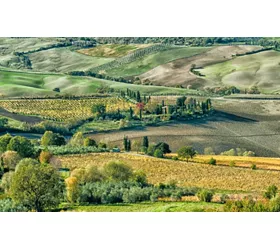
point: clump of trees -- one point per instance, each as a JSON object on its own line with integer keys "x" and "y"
{"x": 186, "y": 152}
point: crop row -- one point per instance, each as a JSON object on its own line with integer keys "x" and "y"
{"x": 63, "y": 110}
{"x": 185, "y": 174}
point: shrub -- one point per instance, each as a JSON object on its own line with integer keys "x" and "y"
{"x": 232, "y": 164}
{"x": 72, "y": 188}
{"x": 176, "y": 196}
{"x": 175, "y": 158}
{"x": 7, "y": 205}
{"x": 209, "y": 151}
{"x": 27, "y": 162}
{"x": 164, "y": 147}
{"x": 205, "y": 195}
{"x": 4, "y": 141}
{"x": 271, "y": 192}
{"x": 11, "y": 159}
{"x": 230, "y": 152}
{"x": 212, "y": 161}
{"x": 275, "y": 204}
{"x": 153, "y": 197}
{"x": 117, "y": 171}
{"x": 249, "y": 153}
{"x": 45, "y": 157}
{"x": 224, "y": 198}
{"x": 151, "y": 150}
{"x": 77, "y": 139}
{"x": 88, "y": 142}
{"x": 253, "y": 167}
{"x": 7, "y": 181}
{"x": 158, "y": 153}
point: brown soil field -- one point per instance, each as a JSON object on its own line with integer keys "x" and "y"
{"x": 249, "y": 124}
{"x": 178, "y": 72}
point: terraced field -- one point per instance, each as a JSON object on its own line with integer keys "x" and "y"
{"x": 185, "y": 174}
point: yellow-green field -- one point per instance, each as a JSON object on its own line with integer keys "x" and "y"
{"x": 112, "y": 50}
{"x": 63, "y": 110}
{"x": 185, "y": 174}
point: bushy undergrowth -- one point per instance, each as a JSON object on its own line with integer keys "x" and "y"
{"x": 68, "y": 149}
{"x": 128, "y": 192}
{"x": 7, "y": 205}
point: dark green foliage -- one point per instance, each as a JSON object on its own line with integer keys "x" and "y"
{"x": 88, "y": 142}
{"x": 22, "y": 146}
{"x": 271, "y": 192}
{"x": 205, "y": 195}
{"x": 99, "y": 110}
{"x": 212, "y": 161}
{"x": 151, "y": 150}
{"x": 164, "y": 147}
{"x": 253, "y": 166}
{"x": 145, "y": 142}
{"x": 3, "y": 122}
{"x": 158, "y": 153}
{"x": 52, "y": 139}
{"x": 4, "y": 141}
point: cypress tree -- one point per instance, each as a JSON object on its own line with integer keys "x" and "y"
{"x": 128, "y": 145}
{"x": 125, "y": 142}
{"x": 145, "y": 142}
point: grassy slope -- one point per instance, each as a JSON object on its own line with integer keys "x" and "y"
{"x": 14, "y": 83}
{"x": 149, "y": 62}
{"x": 261, "y": 69}
{"x": 112, "y": 50}
{"x": 151, "y": 207}
{"x": 64, "y": 60}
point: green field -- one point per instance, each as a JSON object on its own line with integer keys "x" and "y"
{"x": 64, "y": 60}
{"x": 149, "y": 62}
{"x": 261, "y": 69}
{"x": 14, "y": 83}
{"x": 151, "y": 207}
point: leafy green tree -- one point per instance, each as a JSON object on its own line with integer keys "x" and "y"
{"x": 77, "y": 139}
{"x": 49, "y": 138}
{"x": 27, "y": 162}
{"x": 99, "y": 110}
{"x": 21, "y": 145}
{"x": 37, "y": 187}
{"x": 89, "y": 142}
{"x": 205, "y": 195}
{"x": 186, "y": 152}
{"x": 117, "y": 171}
{"x": 4, "y": 141}
{"x": 164, "y": 147}
{"x": 3, "y": 122}
{"x": 11, "y": 159}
